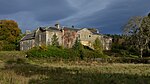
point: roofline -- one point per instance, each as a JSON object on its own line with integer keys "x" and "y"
{"x": 27, "y": 39}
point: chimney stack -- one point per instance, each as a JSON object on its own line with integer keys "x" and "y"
{"x": 72, "y": 26}
{"x": 27, "y": 32}
{"x": 57, "y": 25}
{"x": 149, "y": 15}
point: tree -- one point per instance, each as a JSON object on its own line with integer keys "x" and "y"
{"x": 137, "y": 32}
{"x": 9, "y": 29}
{"x": 77, "y": 45}
{"x": 98, "y": 46}
{"x": 9, "y": 34}
{"x": 55, "y": 40}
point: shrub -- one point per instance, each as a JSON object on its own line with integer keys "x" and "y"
{"x": 52, "y": 51}
{"x": 58, "y": 52}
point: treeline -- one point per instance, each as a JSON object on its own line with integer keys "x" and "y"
{"x": 10, "y": 34}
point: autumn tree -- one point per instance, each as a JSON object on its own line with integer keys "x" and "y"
{"x": 9, "y": 34}
{"x": 137, "y": 32}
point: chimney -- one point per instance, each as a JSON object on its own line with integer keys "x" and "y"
{"x": 149, "y": 15}
{"x": 27, "y": 32}
{"x": 97, "y": 30}
{"x": 57, "y": 25}
{"x": 72, "y": 26}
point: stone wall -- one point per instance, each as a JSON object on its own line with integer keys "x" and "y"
{"x": 27, "y": 44}
{"x": 49, "y": 36}
{"x": 87, "y": 38}
{"x": 40, "y": 38}
{"x": 66, "y": 37}
{"x": 69, "y": 37}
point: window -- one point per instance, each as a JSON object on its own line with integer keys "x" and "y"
{"x": 89, "y": 35}
{"x": 49, "y": 41}
{"x": 79, "y": 35}
{"x": 21, "y": 48}
{"x": 39, "y": 37}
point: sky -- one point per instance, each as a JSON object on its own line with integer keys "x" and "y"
{"x": 108, "y": 16}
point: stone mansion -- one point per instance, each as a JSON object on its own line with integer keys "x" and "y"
{"x": 66, "y": 37}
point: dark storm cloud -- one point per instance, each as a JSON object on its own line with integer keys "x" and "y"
{"x": 107, "y": 15}
{"x": 43, "y": 10}
{"x": 115, "y": 15}
{"x": 54, "y": 12}
{"x": 10, "y": 6}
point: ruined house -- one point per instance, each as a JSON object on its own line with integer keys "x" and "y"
{"x": 66, "y": 37}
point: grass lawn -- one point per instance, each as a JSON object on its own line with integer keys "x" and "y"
{"x": 16, "y": 69}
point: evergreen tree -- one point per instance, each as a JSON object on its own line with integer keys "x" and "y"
{"x": 77, "y": 45}
{"x": 98, "y": 46}
{"x": 55, "y": 40}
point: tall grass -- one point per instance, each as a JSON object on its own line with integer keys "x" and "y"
{"x": 40, "y": 71}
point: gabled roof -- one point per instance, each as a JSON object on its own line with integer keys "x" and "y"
{"x": 93, "y": 30}
{"x": 56, "y": 29}
{"x": 73, "y": 29}
{"x": 28, "y": 37}
{"x": 49, "y": 29}
{"x": 52, "y": 29}
{"x": 95, "y": 33}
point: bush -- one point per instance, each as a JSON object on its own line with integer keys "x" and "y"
{"x": 9, "y": 47}
{"x": 52, "y": 51}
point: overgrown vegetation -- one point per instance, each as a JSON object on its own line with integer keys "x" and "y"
{"x": 52, "y": 51}
{"x": 14, "y": 70}
{"x": 76, "y": 52}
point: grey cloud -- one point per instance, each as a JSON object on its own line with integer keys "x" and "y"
{"x": 10, "y": 6}
{"x": 108, "y": 15}
{"x": 43, "y": 10}
{"x": 55, "y": 12}
{"x": 115, "y": 15}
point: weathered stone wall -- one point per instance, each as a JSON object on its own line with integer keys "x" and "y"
{"x": 66, "y": 38}
{"x": 27, "y": 44}
{"x": 69, "y": 37}
{"x": 107, "y": 43}
{"x": 87, "y": 38}
{"x": 49, "y": 36}
{"x": 40, "y": 38}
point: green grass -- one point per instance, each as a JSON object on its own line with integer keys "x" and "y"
{"x": 15, "y": 69}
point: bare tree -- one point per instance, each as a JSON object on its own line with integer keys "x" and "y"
{"x": 137, "y": 32}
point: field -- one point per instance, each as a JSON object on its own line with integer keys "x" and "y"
{"x": 16, "y": 69}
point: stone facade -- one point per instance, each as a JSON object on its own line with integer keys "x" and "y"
{"x": 86, "y": 37}
{"x": 27, "y": 42}
{"x": 69, "y": 37}
{"x": 66, "y": 37}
